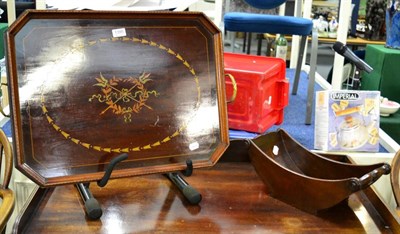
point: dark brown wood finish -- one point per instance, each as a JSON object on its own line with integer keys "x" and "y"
{"x": 285, "y": 166}
{"x": 395, "y": 181}
{"x": 87, "y": 86}
{"x": 234, "y": 201}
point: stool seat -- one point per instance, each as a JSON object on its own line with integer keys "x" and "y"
{"x": 261, "y": 23}
{"x": 278, "y": 24}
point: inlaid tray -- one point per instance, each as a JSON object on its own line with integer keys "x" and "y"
{"x": 86, "y": 86}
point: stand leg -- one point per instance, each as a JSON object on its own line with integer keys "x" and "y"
{"x": 190, "y": 193}
{"x": 356, "y": 79}
{"x": 92, "y": 206}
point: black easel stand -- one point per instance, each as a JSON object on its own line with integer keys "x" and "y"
{"x": 92, "y": 206}
{"x": 190, "y": 193}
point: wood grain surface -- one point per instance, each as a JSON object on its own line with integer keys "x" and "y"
{"x": 88, "y": 86}
{"x": 234, "y": 201}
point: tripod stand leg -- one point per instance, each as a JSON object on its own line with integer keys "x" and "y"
{"x": 92, "y": 206}
{"x": 190, "y": 193}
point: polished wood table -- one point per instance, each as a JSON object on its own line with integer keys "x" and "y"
{"x": 234, "y": 201}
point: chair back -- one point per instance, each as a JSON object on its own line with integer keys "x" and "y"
{"x": 395, "y": 181}
{"x": 6, "y": 195}
{"x": 265, "y": 4}
{"x": 5, "y": 151}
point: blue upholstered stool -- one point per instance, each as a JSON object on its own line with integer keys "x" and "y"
{"x": 261, "y": 23}
{"x": 287, "y": 25}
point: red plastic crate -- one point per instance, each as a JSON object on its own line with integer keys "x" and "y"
{"x": 262, "y": 91}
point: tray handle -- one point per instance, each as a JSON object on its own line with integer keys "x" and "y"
{"x": 234, "y": 84}
{"x": 370, "y": 178}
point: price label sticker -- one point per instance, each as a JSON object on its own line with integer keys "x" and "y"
{"x": 119, "y": 32}
{"x": 194, "y": 146}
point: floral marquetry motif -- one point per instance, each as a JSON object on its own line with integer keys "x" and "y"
{"x": 135, "y": 95}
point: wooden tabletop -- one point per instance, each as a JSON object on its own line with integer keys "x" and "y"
{"x": 234, "y": 201}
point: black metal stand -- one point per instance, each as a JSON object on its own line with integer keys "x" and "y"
{"x": 110, "y": 168}
{"x": 190, "y": 193}
{"x": 355, "y": 79}
{"x": 93, "y": 208}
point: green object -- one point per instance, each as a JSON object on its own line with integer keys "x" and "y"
{"x": 362, "y": 8}
{"x": 386, "y": 78}
{"x": 281, "y": 47}
{"x": 391, "y": 125}
{"x": 386, "y": 74}
{"x": 3, "y": 28}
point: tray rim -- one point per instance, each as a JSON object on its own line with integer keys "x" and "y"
{"x": 23, "y": 167}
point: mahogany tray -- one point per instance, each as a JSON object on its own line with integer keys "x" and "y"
{"x": 87, "y": 86}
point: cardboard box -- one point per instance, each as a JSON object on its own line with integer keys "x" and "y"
{"x": 347, "y": 120}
